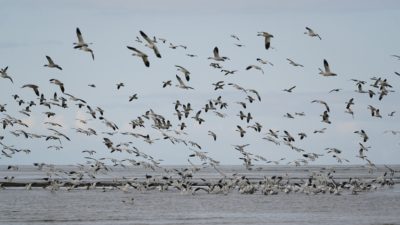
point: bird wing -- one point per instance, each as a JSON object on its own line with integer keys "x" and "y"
{"x": 326, "y": 66}
{"x": 180, "y": 80}
{"x": 146, "y": 38}
{"x": 134, "y": 49}
{"x": 91, "y": 52}
{"x": 49, "y": 59}
{"x": 151, "y": 43}
{"x": 216, "y": 52}
{"x": 309, "y": 29}
{"x": 79, "y": 34}
{"x": 145, "y": 60}
{"x": 156, "y": 51}
{"x": 267, "y": 42}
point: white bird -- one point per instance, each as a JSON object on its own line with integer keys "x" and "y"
{"x": 182, "y": 84}
{"x": 323, "y": 103}
{"x": 255, "y": 67}
{"x": 35, "y": 88}
{"x": 59, "y": 83}
{"x": 268, "y": 37}
{"x": 325, "y": 117}
{"x": 363, "y": 135}
{"x": 82, "y": 45}
{"x": 311, "y": 33}
{"x": 151, "y": 44}
{"x": 264, "y": 61}
{"x": 327, "y": 72}
{"x": 3, "y": 74}
{"x": 235, "y": 37}
{"x": 293, "y": 63}
{"x": 213, "y": 135}
{"x": 184, "y": 71}
{"x": 217, "y": 57}
{"x": 240, "y": 130}
{"x": 51, "y": 63}
{"x": 140, "y": 54}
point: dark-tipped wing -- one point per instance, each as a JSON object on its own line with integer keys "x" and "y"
{"x": 145, "y": 60}
{"x": 146, "y": 37}
{"x": 216, "y": 52}
{"x": 326, "y": 66}
{"x": 79, "y": 34}
{"x": 267, "y": 42}
{"x": 49, "y": 59}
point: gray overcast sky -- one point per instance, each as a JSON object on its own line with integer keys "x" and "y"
{"x": 358, "y": 39}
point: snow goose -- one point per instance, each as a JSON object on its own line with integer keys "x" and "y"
{"x": 268, "y": 37}
{"x": 327, "y": 72}
{"x": 255, "y": 67}
{"x": 182, "y": 84}
{"x": 217, "y": 57}
{"x": 293, "y": 63}
{"x": 81, "y": 44}
{"x": 59, "y": 83}
{"x": 3, "y": 74}
{"x": 51, "y": 63}
{"x": 35, "y": 88}
{"x": 311, "y": 33}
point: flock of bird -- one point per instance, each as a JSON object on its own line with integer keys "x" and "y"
{"x": 167, "y": 131}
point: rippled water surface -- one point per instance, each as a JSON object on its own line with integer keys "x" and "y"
{"x": 40, "y": 206}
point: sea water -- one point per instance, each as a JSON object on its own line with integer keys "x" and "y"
{"x": 113, "y": 206}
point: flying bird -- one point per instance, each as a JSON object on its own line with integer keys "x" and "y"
{"x": 140, "y": 54}
{"x": 3, "y": 74}
{"x": 81, "y": 44}
{"x": 264, "y": 61}
{"x": 268, "y": 37}
{"x": 182, "y": 84}
{"x": 131, "y": 98}
{"x": 290, "y": 89}
{"x": 255, "y": 67}
{"x": 184, "y": 71}
{"x": 51, "y": 63}
{"x": 311, "y": 33}
{"x": 291, "y": 62}
{"x": 59, "y": 83}
{"x": 34, "y": 87}
{"x": 151, "y": 44}
{"x": 167, "y": 83}
{"x": 213, "y": 135}
{"x": 217, "y": 57}
{"x": 327, "y": 72}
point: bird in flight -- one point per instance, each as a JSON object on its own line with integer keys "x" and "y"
{"x": 81, "y": 44}
{"x": 34, "y": 87}
{"x": 217, "y": 57}
{"x": 151, "y": 44}
{"x": 327, "y": 72}
{"x": 267, "y": 40}
{"x": 51, "y": 63}
{"x": 311, "y": 33}
{"x": 289, "y": 90}
{"x": 255, "y": 67}
{"x": 3, "y": 74}
{"x": 140, "y": 54}
{"x": 293, "y": 63}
